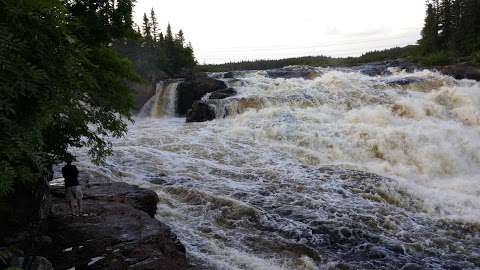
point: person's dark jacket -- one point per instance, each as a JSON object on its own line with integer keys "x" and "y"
{"x": 70, "y": 174}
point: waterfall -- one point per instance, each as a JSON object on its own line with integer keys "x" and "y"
{"x": 163, "y": 103}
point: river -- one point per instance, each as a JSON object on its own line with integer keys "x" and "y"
{"x": 345, "y": 170}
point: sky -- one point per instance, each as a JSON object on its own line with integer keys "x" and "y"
{"x": 225, "y": 30}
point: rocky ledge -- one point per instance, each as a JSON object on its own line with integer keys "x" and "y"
{"x": 118, "y": 233}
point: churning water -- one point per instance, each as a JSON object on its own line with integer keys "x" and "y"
{"x": 276, "y": 181}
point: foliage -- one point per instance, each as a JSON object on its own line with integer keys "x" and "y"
{"x": 452, "y": 26}
{"x": 62, "y": 86}
{"x": 437, "y": 58}
{"x": 154, "y": 51}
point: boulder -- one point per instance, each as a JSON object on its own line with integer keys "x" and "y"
{"x": 114, "y": 235}
{"x": 462, "y": 71}
{"x": 382, "y": 68}
{"x": 139, "y": 198}
{"x": 118, "y": 233}
{"x": 200, "y": 112}
{"x": 305, "y": 72}
{"x": 193, "y": 89}
{"x": 222, "y": 94}
{"x": 404, "y": 81}
{"x": 228, "y": 75}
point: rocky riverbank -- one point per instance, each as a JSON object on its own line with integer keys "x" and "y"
{"x": 119, "y": 231}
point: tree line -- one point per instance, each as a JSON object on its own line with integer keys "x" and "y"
{"x": 372, "y": 56}
{"x": 451, "y": 27}
{"x": 154, "y": 50}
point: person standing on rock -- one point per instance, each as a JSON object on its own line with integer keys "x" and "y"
{"x": 73, "y": 191}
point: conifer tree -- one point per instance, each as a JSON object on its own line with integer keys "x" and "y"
{"x": 429, "y": 41}
{"x": 147, "y": 28}
{"x": 154, "y": 25}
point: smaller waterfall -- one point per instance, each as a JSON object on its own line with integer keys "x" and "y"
{"x": 163, "y": 103}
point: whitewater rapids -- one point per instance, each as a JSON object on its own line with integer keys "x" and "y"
{"x": 276, "y": 181}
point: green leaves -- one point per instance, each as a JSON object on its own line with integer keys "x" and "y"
{"x": 61, "y": 87}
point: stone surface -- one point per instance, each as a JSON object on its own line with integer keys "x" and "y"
{"x": 222, "y": 94}
{"x": 462, "y": 71}
{"x": 200, "y": 112}
{"x": 382, "y": 68}
{"x": 193, "y": 89}
{"x": 118, "y": 231}
{"x": 305, "y": 72}
{"x": 141, "y": 199}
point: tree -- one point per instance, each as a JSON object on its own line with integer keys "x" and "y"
{"x": 62, "y": 86}
{"x": 147, "y": 28}
{"x": 429, "y": 41}
{"x": 180, "y": 38}
{"x": 154, "y": 23}
{"x": 169, "y": 35}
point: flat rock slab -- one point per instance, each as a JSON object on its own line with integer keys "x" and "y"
{"x": 118, "y": 233}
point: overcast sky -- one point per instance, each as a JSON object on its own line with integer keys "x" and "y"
{"x": 225, "y": 30}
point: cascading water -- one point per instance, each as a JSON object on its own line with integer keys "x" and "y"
{"x": 163, "y": 103}
{"x": 274, "y": 182}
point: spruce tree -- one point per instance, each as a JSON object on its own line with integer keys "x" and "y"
{"x": 147, "y": 28}
{"x": 429, "y": 41}
{"x": 154, "y": 25}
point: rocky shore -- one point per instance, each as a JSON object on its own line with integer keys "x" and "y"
{"x": 118, "y": 231}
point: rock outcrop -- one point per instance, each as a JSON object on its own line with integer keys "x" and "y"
{"x": 193, "y": 89}
{"x": 222, "y": 94}
{"x": 117, "y": 233}
{"x": 200, "y": 112}
{"x": 305, "y": 72}
{"x": 382, "y": 68}
{"x": 462, "y": 71}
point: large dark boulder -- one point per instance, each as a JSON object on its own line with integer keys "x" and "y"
{"x": 462, "y": 71}
{"x": 382, "y": 68}
{"x": 114, "y": 235}
{"x": 193, "y": 89}
{"x": 200, "y": 112}
{"x": 139, "y": 198}
{"x": 118, "y": 233}
{"x": 305, "y": 72}
{"x": 222, "y": 94}
{"x": 404, "y": 81}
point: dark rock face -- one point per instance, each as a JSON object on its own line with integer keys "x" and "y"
{"x": 193, "y": 89}
{"x": 308, "y": 73}
{"x": 404, "y": 81}
{"x": 200, "y": 112}
{"x": 222, "y": 94}
{"x": 229, "y": 75}
{"x": 462, "y": 71}
{"x": 381, "y": 68}
{"x": 113, "y": 236}
{"x": 118, "y": 233}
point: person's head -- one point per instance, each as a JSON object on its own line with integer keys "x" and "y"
{"x": 69, "y": 160}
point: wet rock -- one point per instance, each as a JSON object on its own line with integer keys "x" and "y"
{"x": 229, "y": 75}
{"x": 113, "y": 236}
{"x": 404, "y": 81}
{"x": 382, "y": 68}
{"x": 308, "y": 73}
{"x": 118, "y": 233}
{"x": 139, "y": 198}
{"x": 222, "y": 94}
{"x": 193, "y": 89}
{"x": 462, "y": 71}
{"x": 200, "y": 112}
